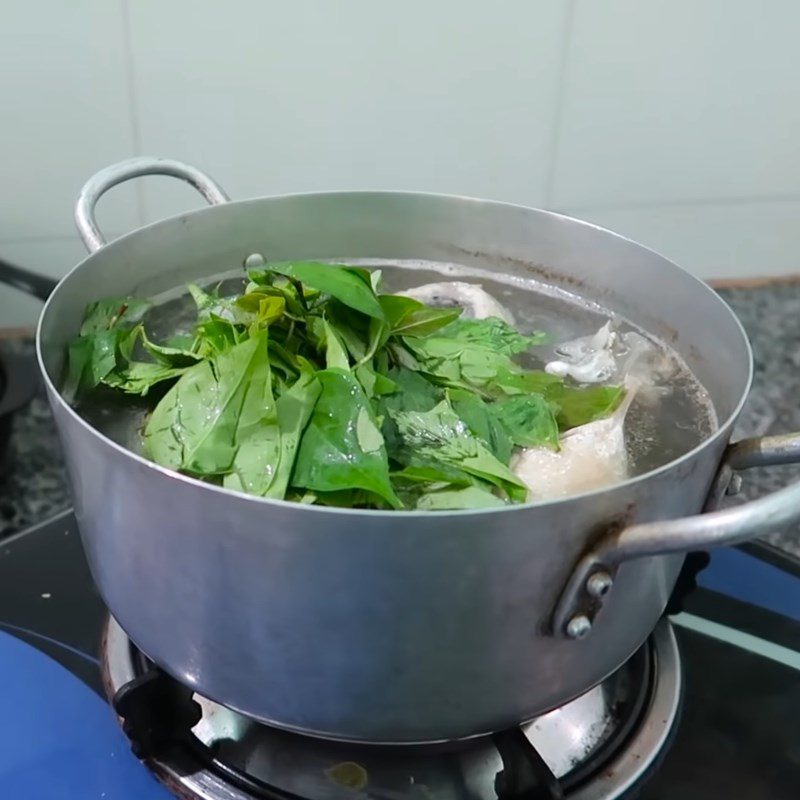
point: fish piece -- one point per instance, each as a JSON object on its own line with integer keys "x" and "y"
{"x": 590, "y": 457}
{"x": 608, "y": 356}
{"x": 472, "y": 297}
{"x": 589, "y": 359}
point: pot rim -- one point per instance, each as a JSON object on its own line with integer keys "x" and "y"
{"x": 723, "y": 428}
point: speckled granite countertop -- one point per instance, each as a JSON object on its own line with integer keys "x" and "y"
{"x": 34, "y": 486}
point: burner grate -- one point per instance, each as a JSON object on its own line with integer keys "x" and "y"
{"x": 203, "y": 751}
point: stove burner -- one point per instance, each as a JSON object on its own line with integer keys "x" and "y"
{"x": 525, "y": 774}
{"x": 593, "y": 748}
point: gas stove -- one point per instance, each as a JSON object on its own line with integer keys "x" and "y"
{"x": 707, "y": 708}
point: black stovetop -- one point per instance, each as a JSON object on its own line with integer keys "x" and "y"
{"x": 739, "y": 635}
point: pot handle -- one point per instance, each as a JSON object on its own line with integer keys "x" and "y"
{"x": 100, "y": 183}
{"x": 31, "y": 283}
{"x": 593, "y": 576}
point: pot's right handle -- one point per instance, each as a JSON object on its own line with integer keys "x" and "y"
{"x": 593, "y": 577}
{"x": 100, "y": 183}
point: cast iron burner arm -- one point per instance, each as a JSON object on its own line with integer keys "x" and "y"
{"x": 525, "y": 775}
{"x": 156, "y": 712}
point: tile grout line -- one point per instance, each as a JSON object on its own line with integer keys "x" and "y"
{"x": 558, "y": 111}
{"x": 133, "y": 101}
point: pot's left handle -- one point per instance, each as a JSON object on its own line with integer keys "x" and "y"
{"x": 100, "y": 183}
{"x": 592, "y": 579}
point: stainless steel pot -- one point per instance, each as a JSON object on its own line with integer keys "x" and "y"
{"x": 398, "y": 626}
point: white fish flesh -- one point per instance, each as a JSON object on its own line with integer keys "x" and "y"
{"x": 591, "y": 456}
{"x": 476, "y": 302}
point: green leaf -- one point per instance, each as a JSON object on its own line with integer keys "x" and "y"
{"x": 342, "y": 447}
{"x": 265, "y": 308}
{"x": 441, "y": 436}
{"x": 169, "y": 355}
{"x": 459, "y": 362}
{"x": 494, "y": 334}
{"x": 374, "y": 383}
{"x": 256, "y": 437}
{"x": 216, "y": 335}
{"x": 77, "y": 378}
{"x": 433, "y": 474}
{"x": 104, "y": 355}
{"x": 579, "y": 406}
{"x": 205, "y": 301}
{"x": 194, "y": 427}
{"x": 350, "y": 327}
{"x": 335, "y": 353}
{"x": 463, "y": 363}
{"x": 103, "y": 315}
{"x": 210, "y": 305}
{"x": 91, "y": 358}
{"x": 482, "y": 422}
{"x": 401, "y": 356}
{"x": 93, "y": 355}
{"x": 528, "y": 420}
{"x": 340, "y": 282}
{"x": 456, "y": 499}
{"x": 354, "y": 344}
{"x": 293, "y": 308}
{"x": 181, "y": 341}
{"x": 378, "y": 334}
{"x": 139, "y": 377}
{"x": 295, "y": 406}
{"x": 283, "y": 361}
{"x": 345, "y": 498}
{"x": 267, "y": 448}
{"x": 127, "y": 341}
{"x": 413, "y": 393}
{"x": 512, "y": 381}
{"x": 408, "y": 317}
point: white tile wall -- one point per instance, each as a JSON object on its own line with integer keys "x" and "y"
{"x": 733, "y": 240}
{"x": 275, "y": 97}
{"x": 675, "y": 121}
{"x": 680, "y": 100}
{"x": 65, "y": 113}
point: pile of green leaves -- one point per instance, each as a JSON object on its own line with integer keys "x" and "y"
{"x": 314, "y": 386}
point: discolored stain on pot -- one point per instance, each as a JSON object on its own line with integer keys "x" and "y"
{"x": 534, "y": 270}
{"x": 581, "y": 287}
{"x": 611, "y": 529}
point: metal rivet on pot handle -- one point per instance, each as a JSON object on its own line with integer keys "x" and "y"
{"x": 599, "y": 584}
{"x": 100, "y": 183}
{"x": 592, "y": 578}
{"x": 578, "y": 627}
